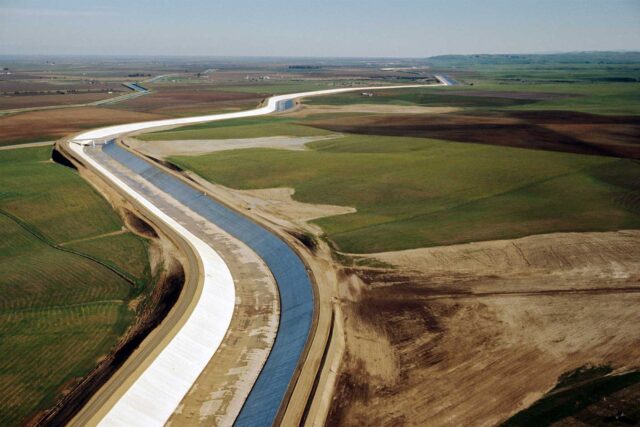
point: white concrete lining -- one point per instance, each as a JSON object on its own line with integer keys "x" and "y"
{"x": 154, "y": 396}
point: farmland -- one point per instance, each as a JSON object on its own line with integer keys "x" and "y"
{"x": 52, "y": 124}
{"x": 596, "y": 98}
{"x": 412, "y": 192}
{"x": 237, "y": 128}
{"x": 477, "y": 232}
{"x": 175, "y": 88}
{"x": 189, "y": 100}
{"x": 61, "y": 308}
{"x": 482, "y": 238}
{"x": 25, "y": 91}
{"x": 564, "y": 131}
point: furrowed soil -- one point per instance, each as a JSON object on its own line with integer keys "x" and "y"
{"x": 471, "y": 334}
{"x": 540, "y": 130}
{"x": 185, "y": 100}
{"x": 52, "y": 124}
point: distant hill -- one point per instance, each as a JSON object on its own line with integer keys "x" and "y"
{"x": 554, "y": 58}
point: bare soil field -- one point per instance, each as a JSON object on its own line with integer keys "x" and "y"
{"x": 163, "y": 149}
{"x": 28, "y": 101}
{"x": 277, "y": 204}
{"x": 190, "y": 100}
{"x": 435, "y": 333}
{"x": 554, "y": 131}
{"x": 51, "y": 124}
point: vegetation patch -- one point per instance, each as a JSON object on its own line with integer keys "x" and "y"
{"x": 238, "y": 128}
{"x": 429, "y": 96}
{"x": 66, "y": 273}
{"x": 488, "y": 94}
{"x": 414, "y": 192}
{"x": 575, "y": 392}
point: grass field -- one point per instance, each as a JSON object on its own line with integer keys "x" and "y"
{"x": 596, "y": 98}
{"x": 429, "y": 96}
{"x": 59, "y": 311}
{"x": 412, "y": 192}
{"x": 238, "y": 128}
{"x": 126, "y": 251}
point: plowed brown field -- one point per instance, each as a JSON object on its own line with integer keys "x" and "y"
{"x": 52, "y": 124}
{"x": 553, "y": 131}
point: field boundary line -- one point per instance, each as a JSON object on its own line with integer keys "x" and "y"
{"x": 38, "y": 235}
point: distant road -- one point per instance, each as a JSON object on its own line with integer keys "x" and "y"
{"x": 138, "y": 401}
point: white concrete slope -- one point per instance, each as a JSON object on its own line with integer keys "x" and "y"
{"x": 155, "y": 395}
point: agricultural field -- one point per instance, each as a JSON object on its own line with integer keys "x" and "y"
{"x": 596, "y": 98}
{"x": 189, "y": 100}
{"x": 236, "y": 128}
{"x": 484, "y": 214}
{"x": 68, "y": 274}
{"x": 415, "y": 192}
{"x": 31, "y": 91}
{"x": 48, "y": 125}
{"x": 7, "y": 103}
{"x": 28, "y": 88}
{"x": 470, "y": 222}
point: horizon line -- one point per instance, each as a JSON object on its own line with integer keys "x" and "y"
{"x": 205, "y": 56}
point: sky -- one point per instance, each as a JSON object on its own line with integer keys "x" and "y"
{"x": 311, "y": 28}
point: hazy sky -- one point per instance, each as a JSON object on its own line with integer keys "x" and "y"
{"x": 400, "y": 28}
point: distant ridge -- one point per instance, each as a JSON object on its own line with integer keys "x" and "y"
{"x": 596, "y": 57}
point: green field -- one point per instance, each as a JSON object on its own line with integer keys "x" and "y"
{"x": 596, "y": 98}
{"x": 428, "y": 96}
{"x": 125, "y": 251}
{"x": 239, "y": 128}
{"x": 412, "y": 192}
{"x": 59, "y": 311}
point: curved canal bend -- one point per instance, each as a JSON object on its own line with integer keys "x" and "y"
{"x": 296, "y": 292}
{"x": 295, "y": 287}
